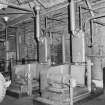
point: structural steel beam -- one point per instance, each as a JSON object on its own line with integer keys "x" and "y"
{"x": 99, "y": 22}
{"x": 15, "y": 13}
{"x": 11, "y": 5}
{"x": 98, "y": 2}
{"x": 92, "y": 13}
{"x": 89, "y": 6}
{"x": 42, "y": 12}
{"x": 97, "y": 16}
{"x": 20, "y": 19}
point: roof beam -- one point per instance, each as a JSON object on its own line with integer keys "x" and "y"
{"x": 99, "y": 22}
{"x": 20, "y": 19}
{"x": 98, "y": 2}
{"x": 89, "y": 6}
{"x": 92, "y": 13}
{"x": 11, "y": 5}
{"x": 42, "y": 12}
{"x": 97, "y": 16}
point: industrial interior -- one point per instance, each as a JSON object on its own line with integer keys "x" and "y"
{"x": 52, "y": 52}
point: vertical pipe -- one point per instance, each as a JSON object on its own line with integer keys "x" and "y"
{"x": 37, "y": 21}
{"x": 46, "y": 49}
{"x": 91, "y": 32}
{"x": 72, "y": 29}
{"x": 37, "y": 27}
{"x": 80, "y": 17}
{"x": 71, "y": 92}
{"x": 63, "y": 48}
{"x": 17, "y": 47}
{"x": 72, "y": 16}
{"x": 29, "y": 85}
{"x": 46, "y": 23}
{"x": 46, "y": 41}
{"x": 51, "y": 39}
{"x": 12, "y": 73}
{"x": 83, "y": 47}
{"x": 6, "y": 30}
{"x": 89, "y": 64}
{"x": 6, "y": 49}
{"x": 35, "y": 37}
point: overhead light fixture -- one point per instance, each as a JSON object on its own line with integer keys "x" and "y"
{"x": 6, "y": 18}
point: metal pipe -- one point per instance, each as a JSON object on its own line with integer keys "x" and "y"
{"x": 7, "y": 55}
{"x": 6, "y": 49}
{"x": 46, "y": 12}
{"x": 46, "y": 47}
{"x": 80, "y": 18}
{"x": 72, "y": 16}
{"x": 71, "y": 92}
{"x": 6, "y": 31}
{"x": 17, "y": 47}
{"x": 11, "y": 70}
{"x": 89, "y": 6}
{"x": 72, "y": 29}
{"x": 35, "y": 37}
{"x": 63, "y": 48}
{"x": 89, "y": 64}
{"x": 94, "y": 17}
{"x": 37, "y": 21}
{"x": 46, "y": 22}
{"x": 58, "y": 7}
{"x": 91, "y": 32}
{"x": 29, "y": 80}
{"x": 37, "y": 27}
{"x": 88, "y": 9}
{"x": 83, "y": 45}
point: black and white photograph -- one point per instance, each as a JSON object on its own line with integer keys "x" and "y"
{"x": 52, "y": 52}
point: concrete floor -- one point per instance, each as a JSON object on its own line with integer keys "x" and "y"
{"x": 8, "y": 100}
{"x": 100, "y": 100}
